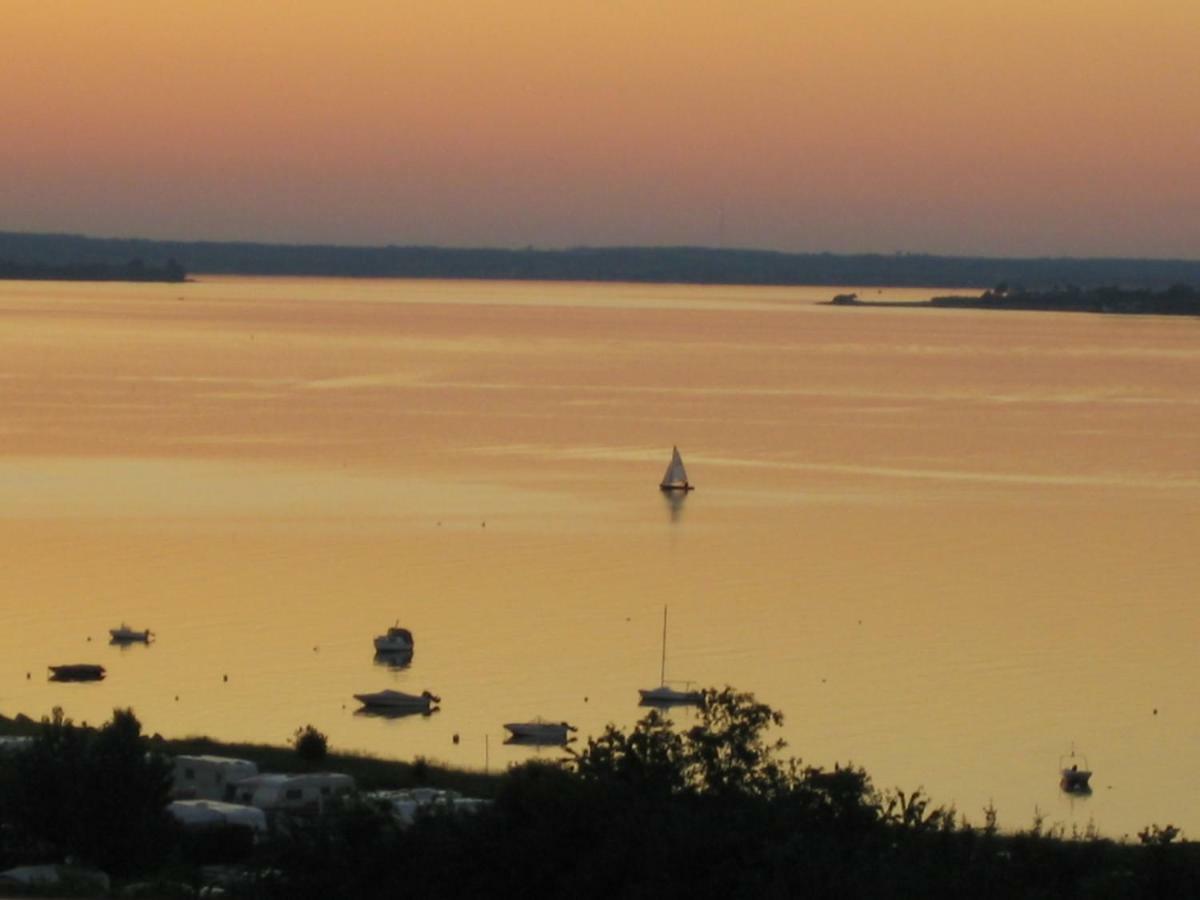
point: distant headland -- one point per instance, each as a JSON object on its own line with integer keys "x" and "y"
{"x": 683, "y": 265}
{"x": 133, "y": 270}
{"x": 1176, "y": 300}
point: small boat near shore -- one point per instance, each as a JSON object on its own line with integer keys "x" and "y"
{"x": 1074, "y": 774}
{"x": 397, "y": 701}
{"x": 539, "y": 731}
{"x": 126, "y": 635}
{"x": 77, "y": 672}
{"x": 397, "y": 640}
{"x": 665, "y": 694}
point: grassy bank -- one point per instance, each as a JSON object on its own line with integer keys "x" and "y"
{"x": 369, "y": 772}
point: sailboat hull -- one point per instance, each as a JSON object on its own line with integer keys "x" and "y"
{"x": 676, "y": 487}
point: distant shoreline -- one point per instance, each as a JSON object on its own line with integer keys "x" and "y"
{"x": 1177, "y": 300}
{"x": 135, "y": 270}
{"x": 634, "y": 264}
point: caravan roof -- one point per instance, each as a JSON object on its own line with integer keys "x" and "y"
{"x": 214, "y": 813}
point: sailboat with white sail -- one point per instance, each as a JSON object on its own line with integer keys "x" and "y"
{"x": 676, "y": 478}
{"x": 665, "y": 694}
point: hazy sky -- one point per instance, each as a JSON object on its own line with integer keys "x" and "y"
{"x": 1039, "y": 127}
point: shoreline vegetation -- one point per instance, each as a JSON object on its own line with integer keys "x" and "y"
{"x": 71, "y": 253}
{"x": 1175, "y": 300}
{"x": 710, "y": 810}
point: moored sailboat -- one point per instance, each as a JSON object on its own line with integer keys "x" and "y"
{"x": 665, "y": 694}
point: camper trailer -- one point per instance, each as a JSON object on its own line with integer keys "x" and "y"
{"x": 209, "y": 777}
{"x": 311, "y": 793}
{"x": 213, "y": 814}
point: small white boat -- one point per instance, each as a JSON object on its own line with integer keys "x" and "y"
{"x": 540, "y": 731}
{"x": 676, "y": 478}
{"x": 398, "y": 700}
{"x": 127, "y": 635}
{"x": 664, "y": 694}
{"x": 1074, "y": 777}
{"x": 397, "y": 640}
{"x": 77, "y": 672}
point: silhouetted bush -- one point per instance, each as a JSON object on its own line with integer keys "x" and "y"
{"x": 311, "y": 745}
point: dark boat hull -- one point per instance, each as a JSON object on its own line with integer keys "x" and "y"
{"x": 78, "y": 672}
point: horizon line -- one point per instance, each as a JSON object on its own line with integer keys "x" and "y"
{"x": 530, "y": 248}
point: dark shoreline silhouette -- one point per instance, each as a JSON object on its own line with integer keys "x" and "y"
{"x": 710, "y": 810}
{"x": 133, "y": 270}
{"x": 682, "y": 265}
{"x": 1176, "y": 300}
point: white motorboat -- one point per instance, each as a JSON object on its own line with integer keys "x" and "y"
{"x": 540, "y": 731}
{"x": 127, "y": 635}
{"x": 665, "y": 694}
{"x": 676, "y": 478}
{"x": 397, "y": 640}
{"x": 398, "y": 700}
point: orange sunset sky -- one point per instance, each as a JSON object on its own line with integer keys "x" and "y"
{"x": 1032, "y": 127}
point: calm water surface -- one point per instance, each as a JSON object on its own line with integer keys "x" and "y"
{"x": 946, "y": 544}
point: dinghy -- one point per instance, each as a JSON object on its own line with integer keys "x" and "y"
{"x": 676, "y": 478}
{"x": 539, "y": 731}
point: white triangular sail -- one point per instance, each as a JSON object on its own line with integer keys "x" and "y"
{"x": 676, "y": 475}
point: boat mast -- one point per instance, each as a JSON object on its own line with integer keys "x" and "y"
{"x": 662, "y": 675}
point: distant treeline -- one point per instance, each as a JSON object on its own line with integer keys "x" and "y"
{"x": 132, "y": 270}
{"x": 688, "y": 265}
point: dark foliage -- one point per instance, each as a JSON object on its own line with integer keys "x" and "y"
{"x": 133, "y": 270}
{"x": 1176, "y": 300}
{"x": 311, "y": 745}
{"x": 96, "y": 795}
{"x": 713, "y": 810}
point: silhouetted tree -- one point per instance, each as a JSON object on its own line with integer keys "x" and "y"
{"x": 726, "y": 752}
{"x": 651, "y": 758}
{"x": 96, "y": 795}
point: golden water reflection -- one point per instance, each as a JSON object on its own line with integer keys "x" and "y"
{"x": 947, "y": 544}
